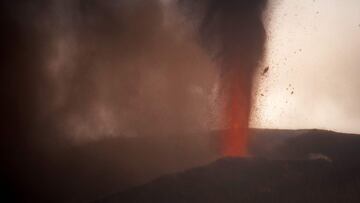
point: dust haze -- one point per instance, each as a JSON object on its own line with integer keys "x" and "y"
{"x": 116, "y": 69}
{"x": 81, "y": 72}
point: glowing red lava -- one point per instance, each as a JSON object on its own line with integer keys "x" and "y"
{"x": 235, "y": 139}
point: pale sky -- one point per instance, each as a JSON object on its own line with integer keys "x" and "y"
{"x": 314, "y": 53}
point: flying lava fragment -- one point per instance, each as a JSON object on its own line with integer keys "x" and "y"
{"x": 234, "y": 33}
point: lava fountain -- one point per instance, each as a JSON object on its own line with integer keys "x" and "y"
{"x": 236, "y": 114}
{"x": 234, "y": 33}
{"x": 237, "y": 30}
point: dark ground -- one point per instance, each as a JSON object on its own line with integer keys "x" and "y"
{"x": 297, "y": 166}
{"x": 280, "y": 172}
{"x": 252, "y": 180}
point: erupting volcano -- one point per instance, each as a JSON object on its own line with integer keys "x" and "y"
{"x": 233, "y": 31}
{"x": 236, "y": 31}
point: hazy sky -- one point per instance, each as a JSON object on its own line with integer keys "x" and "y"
{"x": 129, "y": 68}
{"x": 314, "y": 59}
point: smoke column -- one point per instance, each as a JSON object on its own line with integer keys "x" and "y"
{"x": 233, "y": 31}
{"x": 76, "y": 73}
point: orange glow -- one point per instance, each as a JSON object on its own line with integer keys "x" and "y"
{"x": 237, "y": 108}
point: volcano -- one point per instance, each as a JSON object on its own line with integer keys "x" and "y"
{"x": 283, "y": 166}
{"x": 252, "y": 180}
{"x": 292, "y": 166}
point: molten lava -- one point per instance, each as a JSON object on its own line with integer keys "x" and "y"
{"x": 234, "y": 32}
{"x": 237, "y": 111}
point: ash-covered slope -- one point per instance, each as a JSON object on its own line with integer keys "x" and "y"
{"x": 90, "y": 171}
{"x": 252, "y": 180}
{"x": 306, "y": 144}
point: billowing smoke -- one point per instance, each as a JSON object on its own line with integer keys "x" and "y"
{"x": 109, "y": 69}
{"x": 234, "y": 33}
{"x": 75, "y": 73}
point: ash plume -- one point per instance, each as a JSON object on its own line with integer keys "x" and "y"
{"x": 87, "y": 69}
{"x": 78, "y": 72}
{"x": 234, "y": 33}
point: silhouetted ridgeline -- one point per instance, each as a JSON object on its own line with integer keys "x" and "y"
{"x": 251, "y": 180}
{"x": 292, "y": 166}
{"x": 91, "y": 171}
